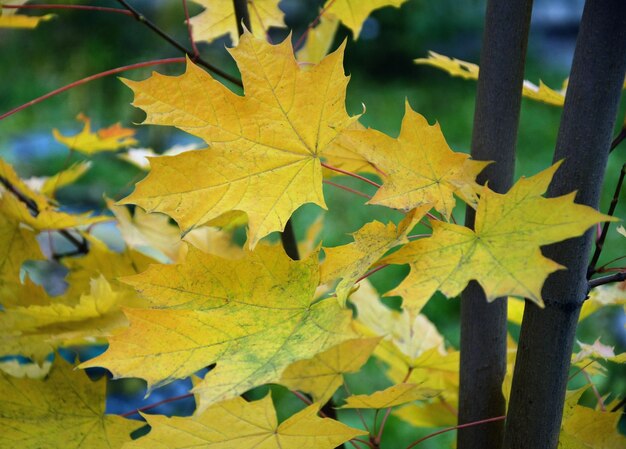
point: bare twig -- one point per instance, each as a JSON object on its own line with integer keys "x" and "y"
{"x": 618, "y": 139}
{"x": 156, "y": 404}
{"x": 91, "y": 78}
{"x": 616, "y": 277}
{"x": 144, "y": 20}
{"x": 460, "y": 426}
{"x": 79, "y": 7}
{"x": 605, "y": 228}
{"x": 196, "y": 53}
{"x": 82, "y": 247}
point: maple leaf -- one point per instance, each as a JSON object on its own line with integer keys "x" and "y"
{"x": 321, "y": 375}
{"x": 318, "y": 40}
{"x": 585, "y": 428}
{"x": 46, "y": 218}
{"x": 36, "y": 330}
{"x": 65, "y": 410}
{"x": 503, "y": 252}
{"x": 406, "y": 335}
{"x": 597, "y": 350}
{"x": 267, "y": 144}
{"x": 106, "y": 139}
{"x": 350, "y": 262}
{"x": 245, "y": 425}
{"x": 419, "y": 167}
{"x": 149, "y": 232}
{"x": 17, "y": 245}
{"x": 412, "y": 345}
{"x": 48, "y": 185}
{"x": 218, "y": 19}
{"x": 353, "y": 13}
{"x": 390, "y": 397}
{"x": 253, "y": 317}
{"x": 101, "y": 261}
{"x": 9, "y": 18}
{"x": 604, "y": 295}
{"x": 467, "y": 70}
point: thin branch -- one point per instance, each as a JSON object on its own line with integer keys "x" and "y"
{"x": 91, "y": 78}
{"x": 348, "y": 173}
{"x": 618, "y": 139}
{"x": 347, "y": 189}
{"x": 580, "y": 370}
{"x": 371, "y": 272}
{"x": 79, "y": 7}
{"x": 595, "y": 390}
{"x": 266, "y": 30}
{"x": 144, "y": 20}
{"x": 605, "y": 227}
{"x": 358, "y": 411}
{"x": 156, "y": 404}
{"x": 301, "y": 39}
{"x": 619, "y": 405}
{"x": 418, "y": 236}
{"x": 196, "y": 53}
{"x": 388, "y": 412}
{"x": 82, "y": 247}
{"x": 616, "y": 277}
{"x": 603, "y": 267}
{"x": 460, "y": 426}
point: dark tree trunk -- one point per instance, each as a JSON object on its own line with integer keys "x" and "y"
{"x": 242, "y": 15}
{"x": 496, "y": 119}
{"x": 546, "y": 339}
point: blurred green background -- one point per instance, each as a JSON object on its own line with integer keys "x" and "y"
{"x": 77, "y": 44}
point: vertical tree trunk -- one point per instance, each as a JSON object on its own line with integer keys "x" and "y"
{"x": 496, "y": 119}
{"x": 545, "y": 346}
{"x": 242, "y": 15}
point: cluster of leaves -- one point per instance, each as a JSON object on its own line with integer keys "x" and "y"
{"x": 170, "y": 306}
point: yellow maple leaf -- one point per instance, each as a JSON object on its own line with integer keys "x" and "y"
{"x": 46, "y": 219}
{"x": 9, "y": 176}
{"x": 321, "y": 375}
{"x": 143, "y": 230}
{"x": 353, "y": 13}
{"x": 17, "y": 245}
{"x": 503, "y": 252}
{"x": 419, "y": 167}
{"x": 101, "y": 261}
{"x": 65, "y": 410}
{"x": 411, "y": 345}
{"x": 65, "y": 177}
{"x": 350, "y": 262}
{"x": 406, "y": 335}
{"x": 253, "y": 317}
{"x": 218, "y": 19}
{"x": 265, "y": 146}
{"x": 586, "y": 428}
{"x": 242, "y": 424}
{"x": 106, "y": 139}
{"x": 467, "y": 70}
{"x": 46, "y": 216}
{"x": 318, "y": 40}
{"x": 604, "y": 295}
{"x": 20, "y": 20}
{"x": 390, "y": 397}
{"x": 36, "y": 330}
